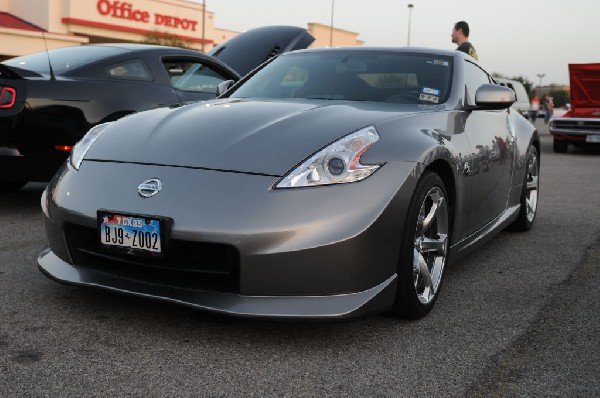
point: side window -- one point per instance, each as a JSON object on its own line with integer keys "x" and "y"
{"x": 134, "y": 69}
{"x": 193, "y": 76}
{"x": 474, "y": 78}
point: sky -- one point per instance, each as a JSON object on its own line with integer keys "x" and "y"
{"x": 512, "y": 37}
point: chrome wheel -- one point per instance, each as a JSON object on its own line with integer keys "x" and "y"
{"x": 533, "y": 184}
{"x": 430, "y": 245}
{"x": 530, "y": 192}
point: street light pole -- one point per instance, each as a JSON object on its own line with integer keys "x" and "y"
{"x": 410, "y": 7}
{"x": 541, "y": 76}
{"x": 331, "y": 26}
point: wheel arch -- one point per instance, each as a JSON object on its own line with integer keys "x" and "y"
{"x": 444, "y": 171}
{"x": 535, "y": 141}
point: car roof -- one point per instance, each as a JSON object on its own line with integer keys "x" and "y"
{"x": 135, "y": 46}
{"x": 500, "y": 80}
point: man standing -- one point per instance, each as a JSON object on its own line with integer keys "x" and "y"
{"x": 535, "y": 107}
{"x": 548, "y": 105}
{"x": 460, "y": 36}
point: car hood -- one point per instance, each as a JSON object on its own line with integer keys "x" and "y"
{"x": 250, "y": 136}
{"x": 585, "y": 90}
{"x": 251, "y": 48}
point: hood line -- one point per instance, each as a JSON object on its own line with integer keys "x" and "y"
{"x": 186, "y": 167}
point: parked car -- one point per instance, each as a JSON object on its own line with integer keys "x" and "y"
{"x": 522, "y": 104}
{"x": 328, "y": 183}
{"x": 51, "y": 99}
{"x": 580, "y": 125}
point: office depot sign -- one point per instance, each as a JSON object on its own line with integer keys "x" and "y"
{"x": 125, "y": 10}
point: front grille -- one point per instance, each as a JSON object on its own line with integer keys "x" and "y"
{"x": 575, "y": 125}
{"x": 191, "y": 265}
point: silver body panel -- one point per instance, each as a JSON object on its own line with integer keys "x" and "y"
{"x": 319, "y": 252}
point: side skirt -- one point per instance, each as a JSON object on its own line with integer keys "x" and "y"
{"x": 461, "y": 249}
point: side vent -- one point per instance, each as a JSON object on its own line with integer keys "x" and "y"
{"x": 275, "y": 51}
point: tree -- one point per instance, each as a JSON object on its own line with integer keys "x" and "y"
{"x": 165, "y": 39}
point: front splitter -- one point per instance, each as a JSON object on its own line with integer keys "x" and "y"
{"x": 375, "y": 299}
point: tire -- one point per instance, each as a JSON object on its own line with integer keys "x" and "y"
{"x": 11, "y": 186}
{"x": 424, "y": 249}
{"x": 560, "y": 146}
{"x": 529, "y": 193}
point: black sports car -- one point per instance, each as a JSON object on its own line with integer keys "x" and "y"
{"x": 49, "y": 100}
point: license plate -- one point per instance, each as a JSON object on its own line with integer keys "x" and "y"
{"x": 592, "y": 138}
{"x": 135, "y": 233}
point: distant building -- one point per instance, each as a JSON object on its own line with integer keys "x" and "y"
{"x": 325, "y": 36}
{"x": 25, "y": 23}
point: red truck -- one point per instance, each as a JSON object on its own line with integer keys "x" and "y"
{"x": 581, "y": 124}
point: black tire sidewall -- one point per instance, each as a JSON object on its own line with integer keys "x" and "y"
{"x": 407, "y": 303}
{"x": 522, "y": 223}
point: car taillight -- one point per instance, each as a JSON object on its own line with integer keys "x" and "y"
{"x": 8, "y": 96}
{"x": 63, "y": 148}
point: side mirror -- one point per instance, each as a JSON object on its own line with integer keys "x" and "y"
{"x": 224, "y": 86}
{"x": 494, "y": 97}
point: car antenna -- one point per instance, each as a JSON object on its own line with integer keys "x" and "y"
{"x": 52, "y": 76}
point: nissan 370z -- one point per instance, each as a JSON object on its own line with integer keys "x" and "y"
{"x": 327, "y": 183}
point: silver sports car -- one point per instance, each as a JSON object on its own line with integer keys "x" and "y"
{"x": 327, "y": 183}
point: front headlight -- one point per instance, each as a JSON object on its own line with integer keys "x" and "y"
{"x": 81, "y": 148}
{"x": 337, "y": 163}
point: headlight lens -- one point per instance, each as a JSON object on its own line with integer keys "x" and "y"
{"x": 337, "y": 163}
{"x": 81, "y": 148}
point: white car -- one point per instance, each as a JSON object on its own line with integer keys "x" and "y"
{"x": 522, "y": 104}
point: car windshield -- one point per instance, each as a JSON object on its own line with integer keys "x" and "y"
{"x": 62, "y": 59}
{"x": 381, "y": 76}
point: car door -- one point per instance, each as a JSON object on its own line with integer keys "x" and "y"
{"x": 490, "y": 164}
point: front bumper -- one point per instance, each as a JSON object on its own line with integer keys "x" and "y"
{"x": 303, "y": 253}
{"x": 574, "y": 129}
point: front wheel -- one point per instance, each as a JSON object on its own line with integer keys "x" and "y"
{"x": 424, "y": 249}
{"x": 529, "y": 193}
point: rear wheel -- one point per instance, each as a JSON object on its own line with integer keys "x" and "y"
{"x": 529, "y": 194}
{"x": 560, "y": 146}
{"x": 11, "y": 186}
{"x": 424, "y": 248}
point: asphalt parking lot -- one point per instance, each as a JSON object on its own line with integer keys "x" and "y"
{"x": 519, "y": 317}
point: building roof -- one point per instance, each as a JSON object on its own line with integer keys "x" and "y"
{"x": 10, "y": 21}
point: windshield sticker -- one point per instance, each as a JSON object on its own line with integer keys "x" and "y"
{"x": 429, "y": 98}
{"x": 429, "y": 90}
{"x": 440, "y": 62}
